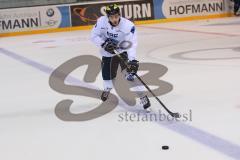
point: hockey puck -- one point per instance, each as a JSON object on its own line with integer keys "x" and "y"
{"x": 165, "y": 147}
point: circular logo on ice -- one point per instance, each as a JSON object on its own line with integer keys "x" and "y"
{"x": 50, "y": 12}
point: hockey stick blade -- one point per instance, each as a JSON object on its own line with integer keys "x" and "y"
{"x": 176, "y": 115}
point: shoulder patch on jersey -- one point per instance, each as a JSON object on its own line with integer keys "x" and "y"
{"x": 133, "y": 29}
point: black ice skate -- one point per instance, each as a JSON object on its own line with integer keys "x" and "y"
{"x": 104, "y": 95}
{"x": 145, "y": 102}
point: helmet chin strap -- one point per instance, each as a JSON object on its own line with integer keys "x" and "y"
{"x": 113, "y": 24}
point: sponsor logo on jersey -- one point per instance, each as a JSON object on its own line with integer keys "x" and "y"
{"x": 112, "y": 35}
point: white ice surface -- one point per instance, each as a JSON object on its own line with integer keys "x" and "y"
{"x": 207, "y": 81}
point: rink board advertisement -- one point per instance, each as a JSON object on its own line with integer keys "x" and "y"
{"x": 76, "y": 16}
{"x": 185, "y": 8}
{"x": 34, "y": 18}
{"x": 82, "y": 15}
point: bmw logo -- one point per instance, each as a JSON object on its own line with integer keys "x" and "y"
{"x": 50, "y": 12}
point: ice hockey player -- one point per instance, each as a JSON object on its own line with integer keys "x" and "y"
{"x": 107, "y": 34}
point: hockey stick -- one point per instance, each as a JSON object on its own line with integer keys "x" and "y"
{"x": 176, "y": 115}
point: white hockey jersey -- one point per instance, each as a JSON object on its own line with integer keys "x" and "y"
{"x": 125, "y": 31}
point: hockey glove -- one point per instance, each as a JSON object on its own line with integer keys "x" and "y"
{"x": 110, "y": 45}
{"x": 132, "y": 66}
